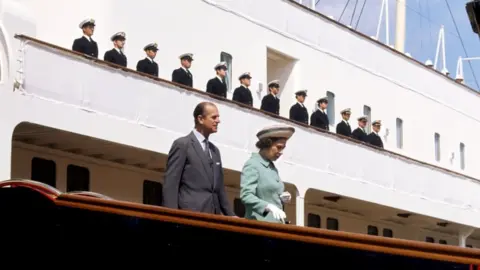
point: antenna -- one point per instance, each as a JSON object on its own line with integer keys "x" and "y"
{"x": 387, "y": 32}
{"x": 441, "y": 43}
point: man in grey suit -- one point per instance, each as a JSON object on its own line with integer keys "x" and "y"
{"x": 194, "y": 176}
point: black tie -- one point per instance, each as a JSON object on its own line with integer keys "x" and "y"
{"x": 189, "y": 74}
{"x": 207, "y": 152}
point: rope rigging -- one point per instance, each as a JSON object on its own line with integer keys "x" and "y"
{"x": 463, "y": 45}
{"x": 354, "y": 11}
{"x": 360, "y": 15}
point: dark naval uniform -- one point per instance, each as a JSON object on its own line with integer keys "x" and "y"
{"x": 217, "y": 87}
{"x": 183, "y": 75}
{"x": 343, "y": 128}
{"x": 271, "y": 104}
{"x": 374, "y": 139}
{"x": 243, "y": 95}
{"x": 299, "y": 113}
{"x": 359, "y": 134}
{"x": 115, "y": 56}
{"x": 319, "y": 119}
{"x": 147, "y": 65}
{"x": 85, "y": 46}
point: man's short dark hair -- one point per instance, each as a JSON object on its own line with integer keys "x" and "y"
{"x": 200, "y": 110}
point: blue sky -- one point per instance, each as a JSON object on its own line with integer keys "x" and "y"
{"x": 424, "y": 18}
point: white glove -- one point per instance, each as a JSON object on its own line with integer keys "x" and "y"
{"x": 276, "y": 212}
{"x": 285, "y": 197}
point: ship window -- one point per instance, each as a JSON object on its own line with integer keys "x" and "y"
{"x": 469, "y": 246}
{"x": 437, "y": 146}
{"x": 367, "y": 111}
{"x": 462, "y": 156}
{"x": 332, "y": 224}
{"x": 443, "y": 242}
{"x": 399, "y": 133}
{"x": 387, "y": 233}
{"x": 78, "y": 178}
{"x": 238, "y": 208}
{"x": 226, "y": 57}
{"x": 313, "y": 220}
{"x": 331, "y": 107}
{"x": 44, "y": 171}
{"x": 429, "y": 239}
{"x": 152, "y": 192}
{"x": 372, "y": 230}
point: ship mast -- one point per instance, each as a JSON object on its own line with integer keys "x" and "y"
{"x": 400, "y": 26}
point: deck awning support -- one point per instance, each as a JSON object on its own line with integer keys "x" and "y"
{"x": 463, "y": 234}
{"x": 300, "y": 210}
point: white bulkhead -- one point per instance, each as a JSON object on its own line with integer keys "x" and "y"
{"x": 269, "y": 39}
{"x": 280, "y": 40}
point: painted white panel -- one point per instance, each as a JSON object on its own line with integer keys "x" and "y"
{"x": 132, "y": 110}
{"x": 329, "y": 58}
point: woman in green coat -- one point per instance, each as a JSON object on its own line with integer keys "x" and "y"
{"x": 261, "y": 190}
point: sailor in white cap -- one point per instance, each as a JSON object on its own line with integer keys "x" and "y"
{"x": 360, "y": 133}
{"x": 261, "y": 189}
{"x": 242, "y": 93}
{"x": 182, "y": 75}
{"x": 147, "y": 65}
{"x": 374, "y": 138}
{"x": 298, "y": 112}
{"x": 270, "y": 102}
{"x": 116, "y": 55}
{"x": 217, "y": 85}
{"x": 86, "y": 44}
{"x": 319, "y": 118}
{"x": 343, "y": 127}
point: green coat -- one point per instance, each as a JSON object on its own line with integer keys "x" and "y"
{"x": 260, "y": 185}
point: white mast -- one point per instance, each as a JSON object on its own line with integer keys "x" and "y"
{"x": 400, "y": 26}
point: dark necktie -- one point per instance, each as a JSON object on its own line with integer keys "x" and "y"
{"x": 189, "y": 74}
{"x": 206, "y": 151}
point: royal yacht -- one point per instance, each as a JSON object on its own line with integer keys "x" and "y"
{"x": 77, "y": 123}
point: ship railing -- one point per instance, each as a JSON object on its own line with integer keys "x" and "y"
{"x": 178, "y": 235}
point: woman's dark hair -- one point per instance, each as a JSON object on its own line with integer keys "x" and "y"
{"x": 266, "y": 143}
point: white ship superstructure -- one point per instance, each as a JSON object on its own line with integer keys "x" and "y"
{"x": 79, "y": 123}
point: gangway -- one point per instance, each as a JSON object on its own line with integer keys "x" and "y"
{"x": 109, "y": 226}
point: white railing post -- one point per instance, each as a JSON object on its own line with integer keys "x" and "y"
{"x": 441, "y": 43}
{"x": 459, "y": 77}
{"x": 299, "y": 210}
{"x": 384, "y": 8}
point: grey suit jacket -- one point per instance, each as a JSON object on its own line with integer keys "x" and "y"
{"x": 192, "y": 182}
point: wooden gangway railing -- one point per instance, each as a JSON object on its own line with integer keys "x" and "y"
{"x": 25, "y": 204}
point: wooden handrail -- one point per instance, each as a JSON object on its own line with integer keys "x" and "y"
{"x": 401, "y": 247}
{"x": 163, "y": 81}
{"x": 44, "y": 189}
